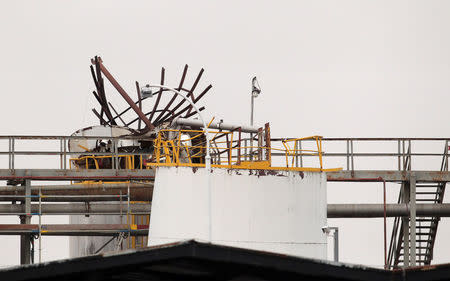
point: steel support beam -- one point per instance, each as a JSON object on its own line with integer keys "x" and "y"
{"x": 126, "y": 97}
{"x": 388, "y": 176}
{"x": 111, "y": 174}
{"x": 392, "y": 210}
{"x": 406, "y": 229}
{"x": 412, "y": 220}
{"x": 25, "y": 239}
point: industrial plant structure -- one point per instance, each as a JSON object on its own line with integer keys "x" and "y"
{"x": 149, "y": 176}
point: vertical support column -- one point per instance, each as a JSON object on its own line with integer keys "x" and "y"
{"x": 116, "y": 153}
{"x": 61, "y": 154}
{"x": 240, "y": 147}
{"x": 336, "y": 244}
{"x": 40, "y": 224}
{"x": 260, "y": 143}
{"x": 348, "y": 155}
{"x": 65, "y": 154}
{"x": 301, "y": 153}
{"x": 245, "y": 150}
{"x": 25, "y": 239}
{"x": 11, "y": 152}
{"x": 403, "y": 156}
{"x": 251, "y": 123}
{"x": 412, "y": 220}
{"x": 268, "y": 145}
{"x": 128, "y": 215}
{"x": 352, "y": 159}
{"x": 405, "y": 224}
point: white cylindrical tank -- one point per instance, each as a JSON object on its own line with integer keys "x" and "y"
{"x": 87, "y": 245}
{"x": 267, "y": 210}
{"x": 81, "y": 145}
{"x": 80, "y": 246}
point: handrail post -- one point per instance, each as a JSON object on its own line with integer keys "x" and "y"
{"x": 231, "y": 149}
{"x": 128, "y": 214}
{"x": 348, "y": 155}
{"x": 320, "y": 152}
{"x": 12, "y": 152}
{"x": 9, "y": 153}
{"x": 446, "y": 155}
{"x": 240, "y": 147}
{"x": 60, "y": 154}
{"x": 352, "y": 158}
{"x": 116, "y": 152}
{"x": 65, "y": 153}
{"x": 245, "y": 150}
{"x": 301, "y": 153}
{"x": 40, "y": 224}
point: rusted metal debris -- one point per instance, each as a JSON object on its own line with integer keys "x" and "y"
{"x": 158, "y": 114}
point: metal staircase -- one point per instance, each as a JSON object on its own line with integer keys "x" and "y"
{"x": 426, "y": 227}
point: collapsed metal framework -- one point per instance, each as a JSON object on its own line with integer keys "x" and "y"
{"x": 153, "y": 118}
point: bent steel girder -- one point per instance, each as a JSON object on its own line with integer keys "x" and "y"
{"x": 166, "y": 114}
{"x": 180, "y": 87}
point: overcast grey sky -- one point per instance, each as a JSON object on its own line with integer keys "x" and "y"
{"x": 333, "y": 68}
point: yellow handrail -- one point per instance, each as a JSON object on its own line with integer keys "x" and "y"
{"x": 167, "y": 151}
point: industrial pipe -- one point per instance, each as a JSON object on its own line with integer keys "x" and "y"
{"x": 73, "y": 229}
{"x": 80, "y": 192}
{"x": 77, "y": 208}
{"x": 215, "y": 125}
{"x": 334, "y": 210}
{"x": 78, "y": 186}
{"x": 392, "y": 210}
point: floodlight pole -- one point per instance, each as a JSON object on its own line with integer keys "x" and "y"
{"x": 251, "y": 123}
{"x": 256, "y": 89}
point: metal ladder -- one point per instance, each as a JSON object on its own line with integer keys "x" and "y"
{"x": 426, "y": 227}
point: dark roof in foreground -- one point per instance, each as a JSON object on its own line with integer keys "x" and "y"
{"x": 192, "y": 260}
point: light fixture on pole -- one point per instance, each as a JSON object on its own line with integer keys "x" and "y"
{"x": 146, "y": 91}
{"x": 256, "y": 90}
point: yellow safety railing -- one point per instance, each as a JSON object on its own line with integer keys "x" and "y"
{"x": 294, "y": 152}
{"x": 188, "y": 148}
{"x": 93, "y": 161}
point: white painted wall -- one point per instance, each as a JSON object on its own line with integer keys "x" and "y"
{"x": 87, "y": 245}
{"x": 283, "y": 212}
{"x": 80, "y": 246}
